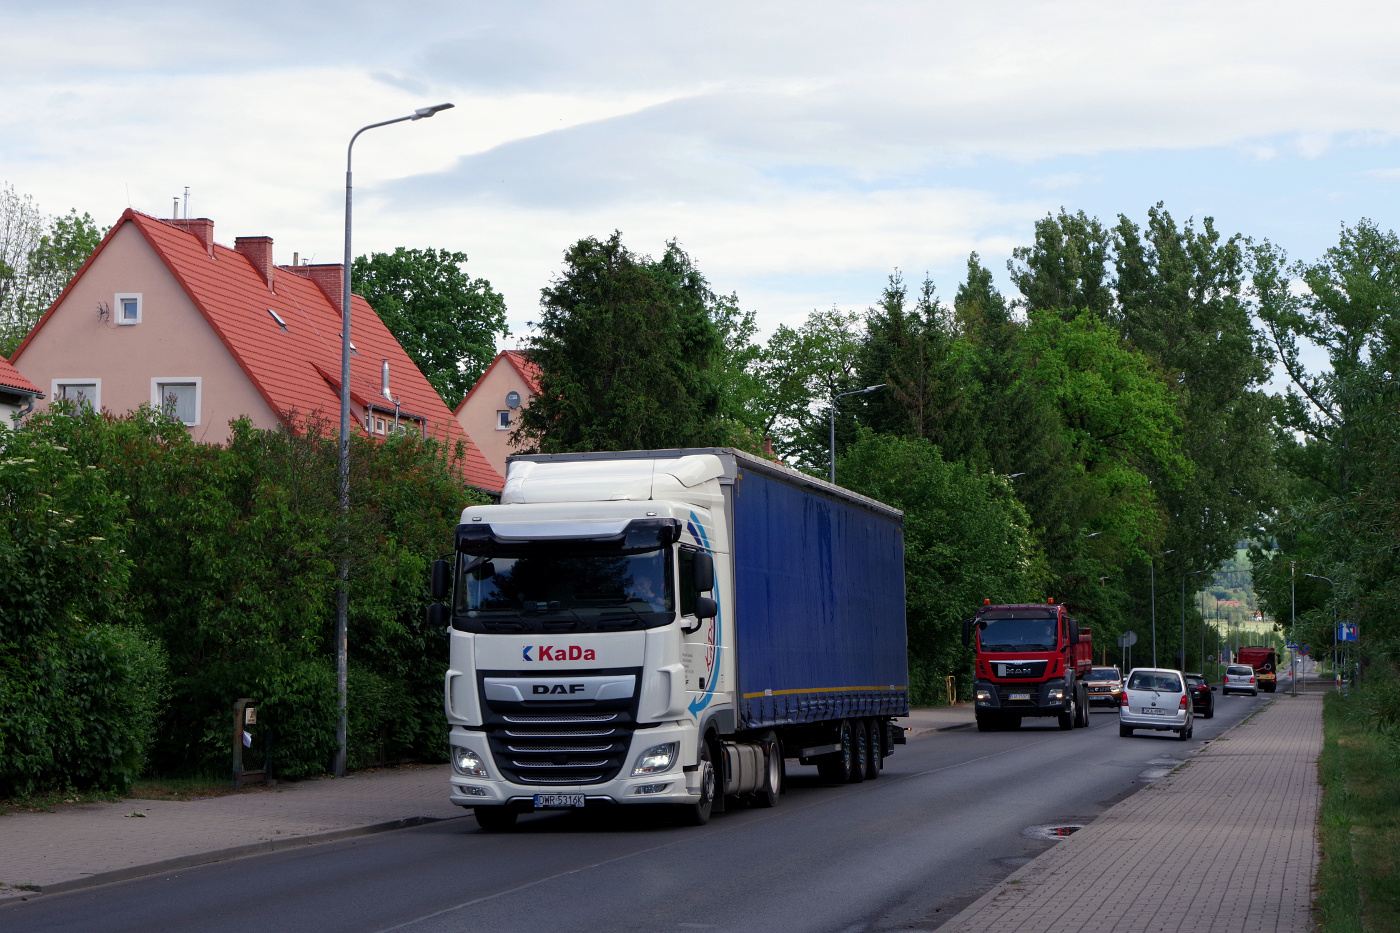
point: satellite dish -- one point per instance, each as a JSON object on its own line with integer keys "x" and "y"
{"x": 1127, "y": 639}
{"x": 512, "y": 399}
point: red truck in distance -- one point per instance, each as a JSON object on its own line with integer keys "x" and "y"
{"x": 1031, "y": 660}
{"x": 1264, "y": 662}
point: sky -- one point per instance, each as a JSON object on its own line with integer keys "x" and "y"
{"x": 800, "y": 152}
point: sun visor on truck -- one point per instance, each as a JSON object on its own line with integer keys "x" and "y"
{"x": 637, "y": 534}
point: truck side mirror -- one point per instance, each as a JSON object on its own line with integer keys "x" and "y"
{"x": 1074, "y": 634}
{"x": 437, "y": 616}
{"x": 704, "y": 573}
{"x": 705, "y": 607}
{"x": 442, "y": 579}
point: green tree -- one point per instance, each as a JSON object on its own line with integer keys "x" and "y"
{"x": 445, "y": 320}
{"x": 634, "y": 353}
{"x": 966, "y": 539}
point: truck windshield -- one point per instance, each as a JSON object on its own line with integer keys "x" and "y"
{"x": 1018, "y": 634}
{"x": 558, "y": 590}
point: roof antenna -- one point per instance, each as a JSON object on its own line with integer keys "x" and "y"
{"x": 187, "y": 202}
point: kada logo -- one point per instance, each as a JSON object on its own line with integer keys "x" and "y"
{"x": 561, "y": 653}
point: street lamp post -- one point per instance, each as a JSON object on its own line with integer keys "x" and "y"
{"x": 342, "y": 592}
{"x": 1152, "y": 572}
{"x": 834, "y": 400}
{"x": 1189, "y": 573}
{"x": 1318, "y": 576}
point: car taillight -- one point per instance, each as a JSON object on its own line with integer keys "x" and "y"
{"x": 1123, "y": 698}
{"x": 1251, "y": 680}
{"x": 1182, "y": 704}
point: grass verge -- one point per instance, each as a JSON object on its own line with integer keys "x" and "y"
{"x": 1358, "y": 879}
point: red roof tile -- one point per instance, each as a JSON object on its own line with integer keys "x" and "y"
{"x": 529, "y": 371}
{"x": 10, "y": 378}
{"x": 287, "y": 366}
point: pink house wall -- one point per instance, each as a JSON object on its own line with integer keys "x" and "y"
{"x": 172, "y": 342}
{"x": 477, "y": 414}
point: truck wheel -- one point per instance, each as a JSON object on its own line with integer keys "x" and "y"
{"x": 860, "y": 762}
{"x": 1070, "y": 717}
{"x": 836, "y": 767}
{"x": 1083, "y": 708}
{"x": 984, "y": 723}
{"x": 495, "y": 819}
{"x": 876, "y": 760}
{"x": 767, "y": 795}
{"x": 698, "y": 814}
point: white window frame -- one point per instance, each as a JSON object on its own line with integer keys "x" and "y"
{"x": 117, "y": 307}
{"x": 499, "y": 425}
{"x": 55, "y": 395}
{"x": 158, "y": 403}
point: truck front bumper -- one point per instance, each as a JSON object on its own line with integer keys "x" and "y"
{"x": 1039, "y": 699}
{"x": 675, "y": 785}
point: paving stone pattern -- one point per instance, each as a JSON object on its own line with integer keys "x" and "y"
{"x": 1228, "y": 842}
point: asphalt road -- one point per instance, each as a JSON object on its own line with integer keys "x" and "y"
{"x": 946, "y": 820}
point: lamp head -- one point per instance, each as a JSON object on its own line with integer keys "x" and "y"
{"x": 422, "y": 112}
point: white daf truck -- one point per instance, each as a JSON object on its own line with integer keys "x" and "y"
{"x": 667, "y": 627}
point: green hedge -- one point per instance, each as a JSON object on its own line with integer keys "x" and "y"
{"x": 175, "y": 577}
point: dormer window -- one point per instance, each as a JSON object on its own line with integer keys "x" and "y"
{"x": 128, "y": 308}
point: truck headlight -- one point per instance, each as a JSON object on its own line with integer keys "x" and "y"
{"x": 983, "y": 695}
{"x": 467, "y": 761}
{"x": 1057, "y": 694}
{"x": 656, "y": 759}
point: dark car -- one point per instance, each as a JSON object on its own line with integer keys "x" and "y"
{"x": 1202, "y": 695}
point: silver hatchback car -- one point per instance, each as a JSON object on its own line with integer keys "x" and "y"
{"x": 1156, "y": 699}
{"x": 1239, "y": 678}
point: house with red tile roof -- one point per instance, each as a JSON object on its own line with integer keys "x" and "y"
{"x": 491, "y": 410}
{"x": 17, "y": 395}
{"x": 160, "y": 314}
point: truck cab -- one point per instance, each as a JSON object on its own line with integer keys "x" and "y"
{"x": 1031, "y": 660}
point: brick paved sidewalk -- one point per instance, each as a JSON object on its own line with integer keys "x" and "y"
{"x": 1228, "y": 842}
{"x": 79, "y": 845}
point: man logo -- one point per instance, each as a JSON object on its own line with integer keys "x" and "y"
{"x": 538, "y": 689}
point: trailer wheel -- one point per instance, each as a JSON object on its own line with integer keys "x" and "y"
{"x": 836, "y": 767}
{"x": 767, "y": 795}
{"x": 495, "y": 819}
{"x": 698, "y": 814}
{"x": 875, "y": 761}
{"x": 860, "y": 762}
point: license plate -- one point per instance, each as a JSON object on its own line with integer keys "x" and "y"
{"x": 1154, "y": 712}
{"x": 1019, "y": 696}
{"x": 557, "y": 801}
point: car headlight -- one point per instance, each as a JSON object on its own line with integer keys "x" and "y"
{"x": 656, "y": 759}
{"x": 466, "y": 761}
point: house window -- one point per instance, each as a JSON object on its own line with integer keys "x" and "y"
{"x": 177, "y": 397}
{"x": 380, "y": 426}
{"x": 503, "y": 420}
{"x": 81, "y": 392}
{"x": 128, "y": 309}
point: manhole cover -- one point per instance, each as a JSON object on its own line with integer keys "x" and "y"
{"x": 1052, "y": 830}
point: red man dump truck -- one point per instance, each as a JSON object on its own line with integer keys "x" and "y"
{"x": 1265, "y": 664}
{"x": 1031, "y": 660}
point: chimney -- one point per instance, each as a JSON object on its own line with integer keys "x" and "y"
{"x": 384, "y": 381}
{"x": 258, "y": 249}
{"x": 201, "y": 227}
{"x": 328, "y": 277}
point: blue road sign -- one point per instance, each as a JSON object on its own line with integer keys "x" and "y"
{"x": 1346, "y": 631}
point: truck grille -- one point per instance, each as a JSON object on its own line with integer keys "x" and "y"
{"x": 561, "y": 748}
